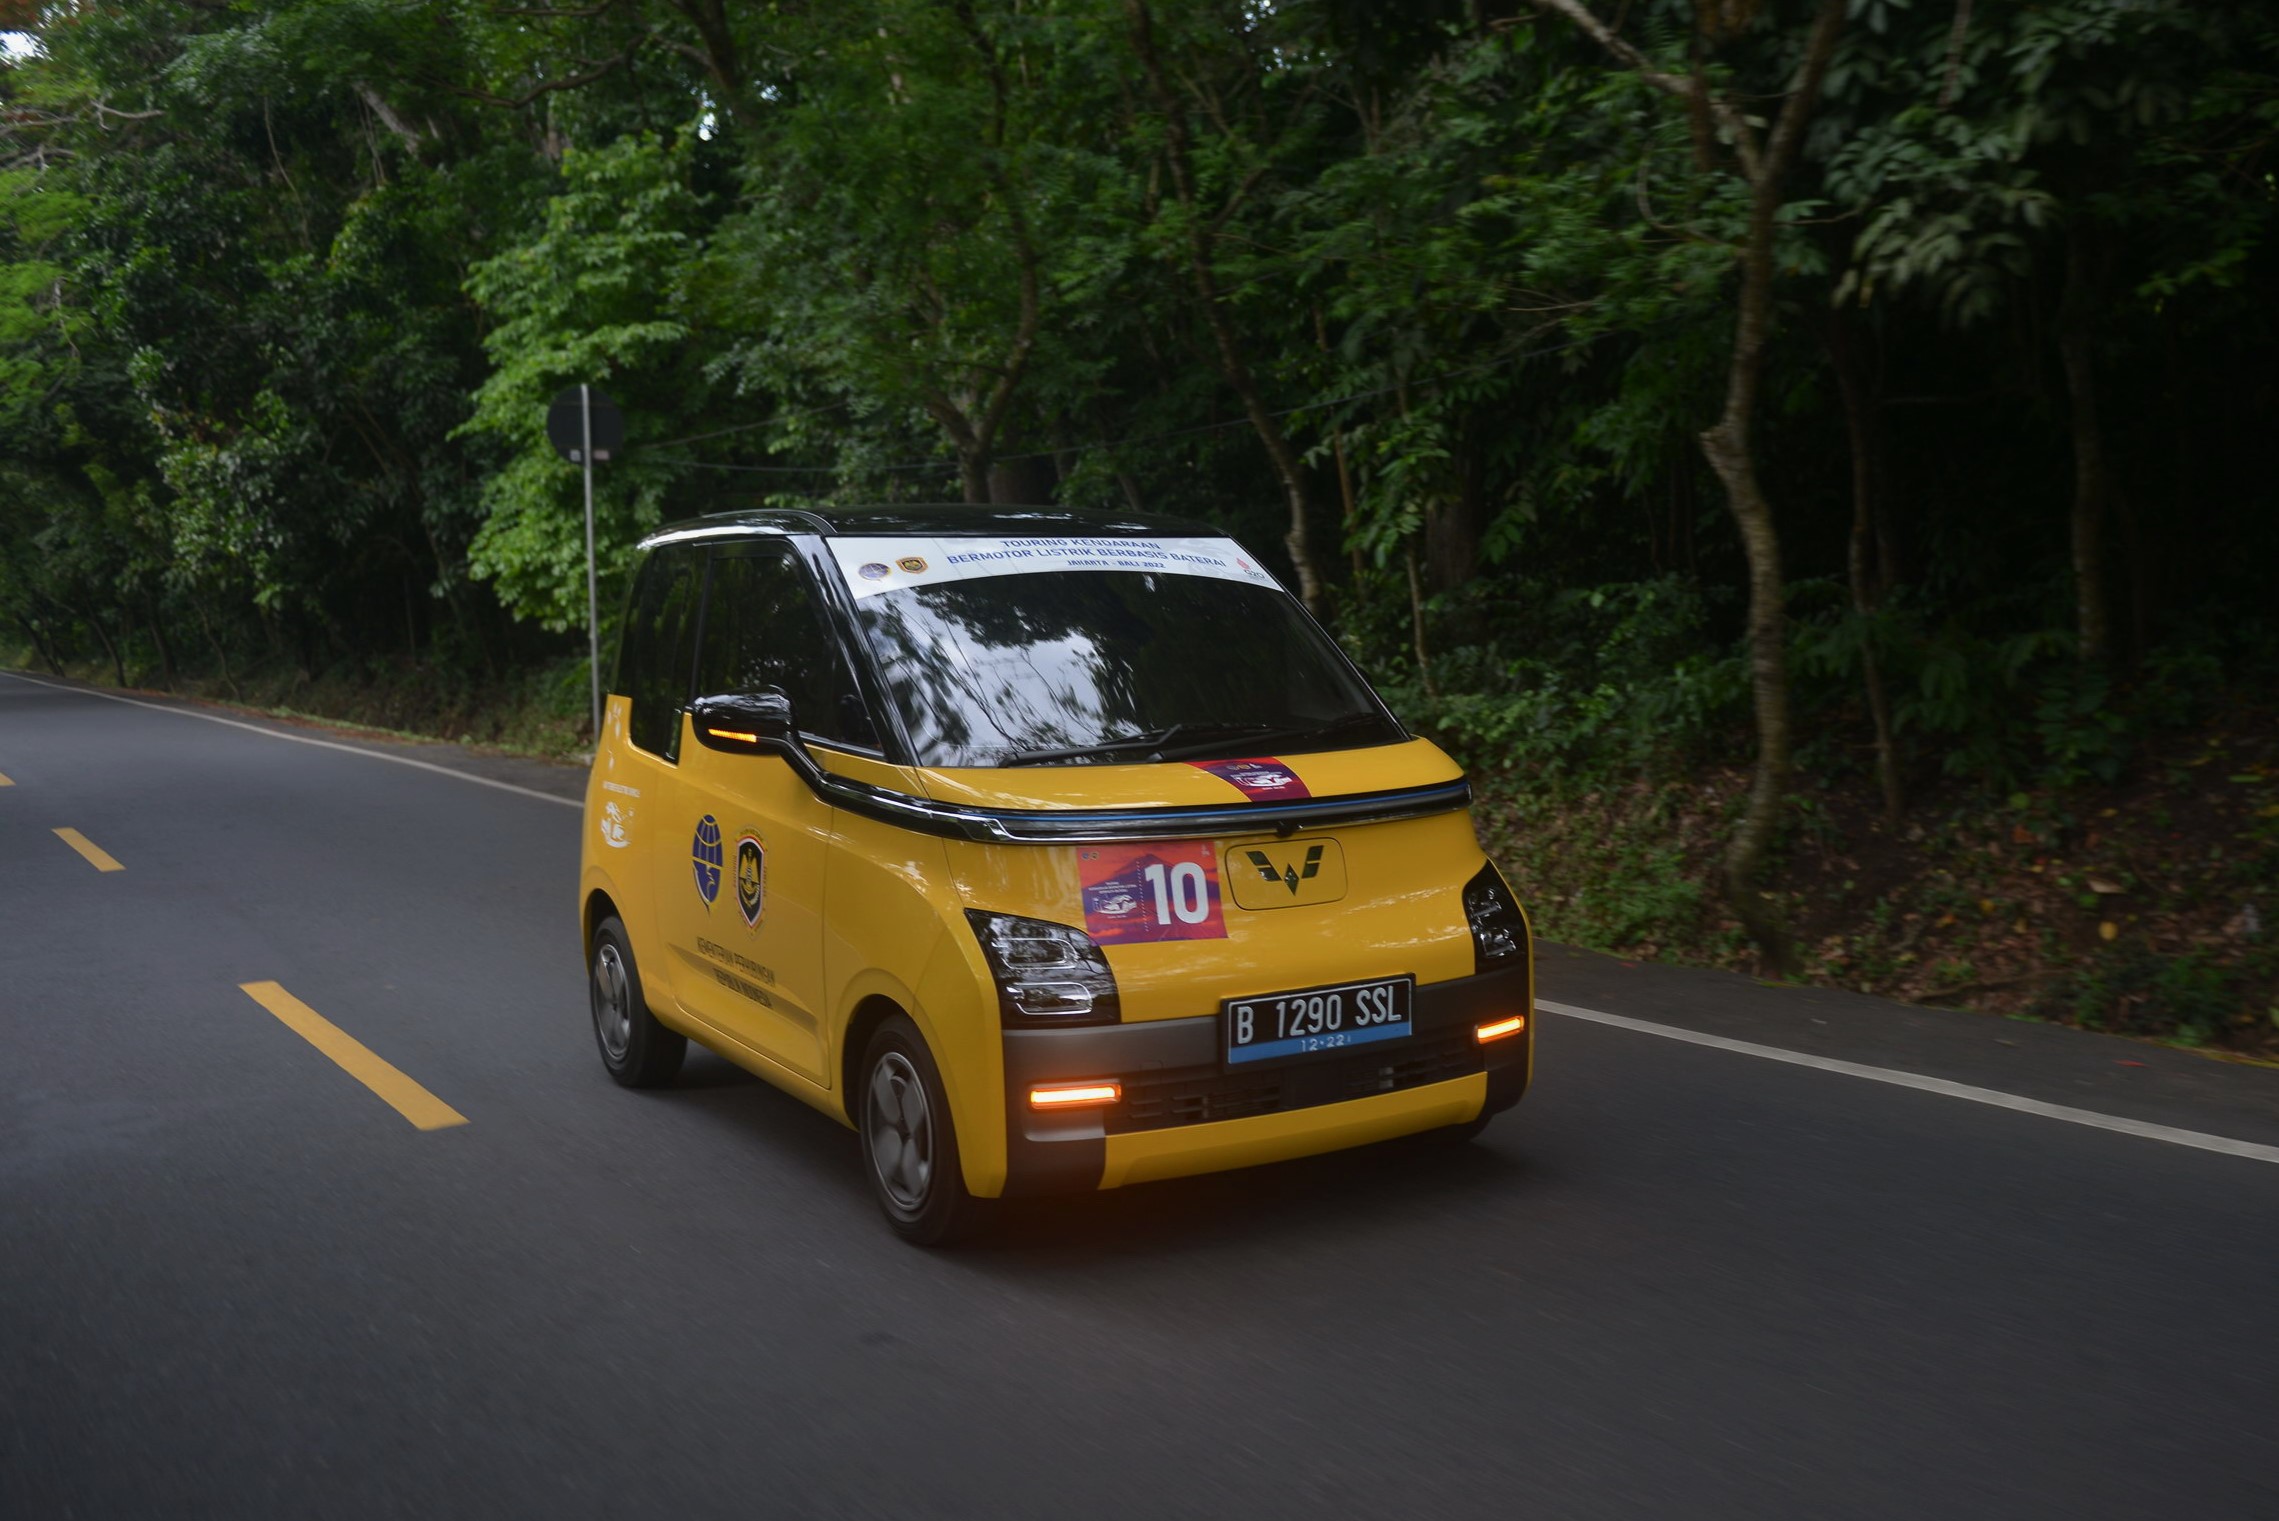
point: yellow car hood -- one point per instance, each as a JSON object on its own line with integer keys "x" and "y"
{"x": 1191, "y": 784}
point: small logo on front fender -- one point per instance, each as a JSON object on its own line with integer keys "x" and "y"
{"x": 616, "y": 825}
{"x": 704, "y": 855}
{"x": 751, "y": 879}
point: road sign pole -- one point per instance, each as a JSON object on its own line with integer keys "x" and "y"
{"x": 583, "y": 424}
{"x": 593, "y": 594}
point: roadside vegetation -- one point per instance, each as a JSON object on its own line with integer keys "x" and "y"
{"x": 1810, "y": 459}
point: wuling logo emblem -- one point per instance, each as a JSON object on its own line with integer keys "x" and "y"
{"x": 1288, "y": 876}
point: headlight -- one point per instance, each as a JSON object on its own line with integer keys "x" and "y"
{"x": 1046, "y": 973}
{"x": 1499, "y": 933}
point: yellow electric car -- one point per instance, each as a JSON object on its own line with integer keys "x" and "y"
{"x": 1048, "y": 850}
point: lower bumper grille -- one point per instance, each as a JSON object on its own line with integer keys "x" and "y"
{"x": 1202, "y": 1095}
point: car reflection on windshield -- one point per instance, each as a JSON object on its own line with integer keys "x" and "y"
{"x": 1110, "y": 666}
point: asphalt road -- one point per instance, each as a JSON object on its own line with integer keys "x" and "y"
{"x": 1678, "y": 1281}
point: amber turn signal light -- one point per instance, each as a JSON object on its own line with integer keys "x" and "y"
{"x": 736, "y": 735}
{"x": 1070, "y": 1095}
{"x": 1499, "y": 1028}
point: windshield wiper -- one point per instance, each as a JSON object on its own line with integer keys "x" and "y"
{"x": 1286, "y": 736}
{"x": 1150, "y": 742}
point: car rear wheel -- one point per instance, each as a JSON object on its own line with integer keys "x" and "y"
{"x": 909, "y": 1144}
{"x": 638, "y": 1051}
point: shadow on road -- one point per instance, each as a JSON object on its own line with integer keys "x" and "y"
{"x": 1287, "y": 1207}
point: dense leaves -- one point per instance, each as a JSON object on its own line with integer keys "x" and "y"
{"x": 1441, "y": 298}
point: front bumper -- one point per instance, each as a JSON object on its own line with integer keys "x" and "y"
{"x": 1183, "y": 1111}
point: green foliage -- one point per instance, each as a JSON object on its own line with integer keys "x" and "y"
{"x": 285, "y": 286}
{"x": 1607, "y": 868}
{"x": 1603, "y": 683}
{"x": 588, "y": 297}
{"x": 2138, "y": 991}
{"x": 906, "y": 288}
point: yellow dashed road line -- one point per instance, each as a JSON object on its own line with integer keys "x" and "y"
{"x": 356, "y": 1059}
{"x": 96, "y": 855}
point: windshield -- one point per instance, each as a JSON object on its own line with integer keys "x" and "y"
{"x": 1057, "y": 666}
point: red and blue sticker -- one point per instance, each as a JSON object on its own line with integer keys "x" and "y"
{"x": 1160, "y": 891}
{"x": 1170, "y": 890}
{"x": 1263, "y": 780}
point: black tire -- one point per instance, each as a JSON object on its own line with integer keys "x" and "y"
{"x": 638, "y": 1051}
{"x": 910, "y": 1150}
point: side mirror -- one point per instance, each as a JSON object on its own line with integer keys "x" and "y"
{"x": 745, "y": 723}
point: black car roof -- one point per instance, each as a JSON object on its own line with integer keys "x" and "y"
{"x": 927, "y": 519}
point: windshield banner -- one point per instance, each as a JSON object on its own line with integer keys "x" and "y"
{"x": 873, "y": 566}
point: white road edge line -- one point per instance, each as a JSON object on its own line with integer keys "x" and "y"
{"x": 2011, "y": 1101}
{"x": 303, "y": 739}
{"x": 2090, "y": 1117}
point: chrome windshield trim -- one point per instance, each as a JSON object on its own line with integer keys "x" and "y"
{"x": 1007, "y": 826}
{"x": 1089, "y": 826}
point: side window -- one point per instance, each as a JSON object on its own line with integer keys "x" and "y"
{"x": 653, "y": 660}
{"x": 763, "y": 628}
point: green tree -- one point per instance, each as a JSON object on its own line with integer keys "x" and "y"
{"x": 1763, "y": 160}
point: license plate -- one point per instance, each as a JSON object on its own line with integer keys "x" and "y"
{"x": 1335, "y": 1018}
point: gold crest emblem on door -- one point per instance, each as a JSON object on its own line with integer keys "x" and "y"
{"x": 1286, "y": 873}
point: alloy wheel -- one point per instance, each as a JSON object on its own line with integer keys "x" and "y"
{"x": 898, "y": 1124}
{"x": 612, "y": 1002}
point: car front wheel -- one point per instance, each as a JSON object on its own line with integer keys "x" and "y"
{"x": 638, "y": 1051}
{"x": 909, "y": 1144}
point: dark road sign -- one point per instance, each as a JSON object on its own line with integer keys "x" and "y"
{"x": 565, "y": 425}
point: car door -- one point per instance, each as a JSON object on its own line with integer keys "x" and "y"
{"x": 745, "y": 917}
{"x": 636, "y": 764}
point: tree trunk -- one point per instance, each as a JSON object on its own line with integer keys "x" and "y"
{"x": 1416, "y": 625}
{"x": 975, "y": 426}
{"x": 467, "y": 625}
{"x": 1021, "y": 482}
{"x": 158, "y": 637}
{"x": 1201, "y": 262}
{"x": 39, "y": 644}
{"x": 102, "y": 634}
{"x": 1345, "y": 498}
{"x": 110, "y": 648}
{"x": 1867, "y": 456}
{"x": 1727, "y": 447}
{"x": 2139, "y": 564}
{"x": 1452, "y": 526}
{"x": 2092, "y": 614}
{"x": 1349, "y": 512}
{"x": 973, "y": 474}
{"x": 221, "y": 656}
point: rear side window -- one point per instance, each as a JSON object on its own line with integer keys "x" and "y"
{"x": 653, "y": 660}
{"x": 764, "y": 628}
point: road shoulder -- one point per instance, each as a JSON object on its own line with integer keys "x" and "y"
{"x": 2107, "y": 1074}
{"x": 557, "y": 779}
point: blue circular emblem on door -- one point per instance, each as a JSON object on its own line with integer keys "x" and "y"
{"x": 704, "y": 852}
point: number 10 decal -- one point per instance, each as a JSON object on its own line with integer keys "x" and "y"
{"x": 1186, "y": 895}
{"x": 1151, "y": 892}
